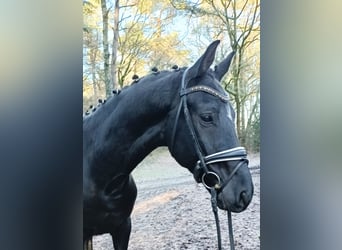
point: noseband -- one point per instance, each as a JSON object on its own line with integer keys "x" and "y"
{"x": 210, "y": 179}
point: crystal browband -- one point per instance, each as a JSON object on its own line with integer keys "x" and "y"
{"x": 206, "y": 89}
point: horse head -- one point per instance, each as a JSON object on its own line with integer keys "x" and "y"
{"x": 202, "y": 135}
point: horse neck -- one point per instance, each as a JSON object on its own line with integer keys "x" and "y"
{"x": 137, "y": 125}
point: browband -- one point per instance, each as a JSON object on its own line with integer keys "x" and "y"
{"x": 206, "y": 89}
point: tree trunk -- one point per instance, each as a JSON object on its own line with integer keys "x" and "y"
{"x": 115, "y": 44}
{"x": 93, "y": 75}
{"x": 105, "y": 47}
{"x": 237, "y": 93}
{"x": 249, "y": 128}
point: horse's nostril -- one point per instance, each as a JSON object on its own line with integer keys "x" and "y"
{"x": 244, "y": 198}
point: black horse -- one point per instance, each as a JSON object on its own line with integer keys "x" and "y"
{"x": 186, "y": 110}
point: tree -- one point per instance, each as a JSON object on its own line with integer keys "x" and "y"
{"x": 131, "y": 37}
{"x": 91, "y": 43}
{"x": 106, "y": 55}
{"x": 91, "y": 50}
{"x": 115, "y": 44}
{"x": 143, "y": 39}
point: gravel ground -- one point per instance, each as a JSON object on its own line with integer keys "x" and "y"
{"x": 174, "y": 212}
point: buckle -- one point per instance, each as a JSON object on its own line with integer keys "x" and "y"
{"x": 211, "y": 180}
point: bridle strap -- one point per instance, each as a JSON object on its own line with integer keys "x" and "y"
{"x": 217, "y": 221}
{"x": 175, "y": 125}
{"x": 194, "y": 137}
{"x": 232, "y": 174}
{"x": 183, "y": 103}
{"x": 238, "y": 152}
{"x": 230, "y": 230}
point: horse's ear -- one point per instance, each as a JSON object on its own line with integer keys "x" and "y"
{"x": 222, "y": 68}
{"x": 203, "y": 63}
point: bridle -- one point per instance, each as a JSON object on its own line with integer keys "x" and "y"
{"x": 210, "y": 179}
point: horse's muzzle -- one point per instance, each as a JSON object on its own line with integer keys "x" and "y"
{"x": 229, "y": 175}
{"x": 238, "y": 206}
{"x": 237, "y": 195}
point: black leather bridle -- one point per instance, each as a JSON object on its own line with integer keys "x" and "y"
{"x": 209, "y": 178}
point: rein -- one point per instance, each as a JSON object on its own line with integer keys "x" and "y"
{"x": 234, "y": 154}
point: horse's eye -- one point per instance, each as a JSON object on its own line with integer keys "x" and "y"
{"x": 207, "y": 117}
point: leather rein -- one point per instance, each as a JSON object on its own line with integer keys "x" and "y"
{"x": 234, "y": 154}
